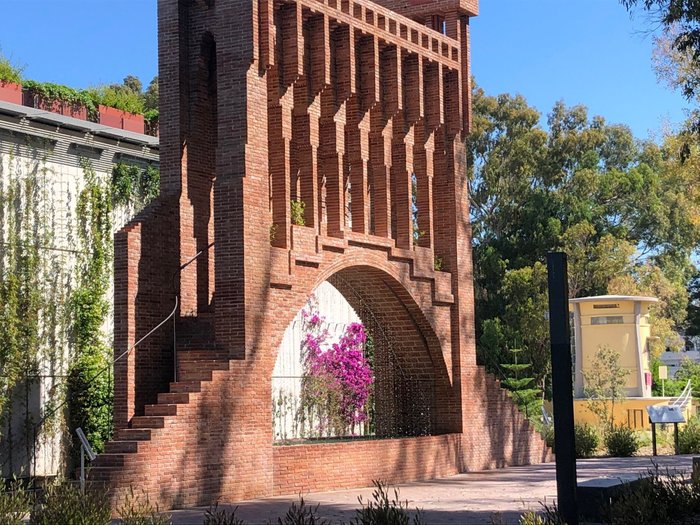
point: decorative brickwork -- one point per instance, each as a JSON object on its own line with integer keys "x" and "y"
{"x": 360, "y": 113}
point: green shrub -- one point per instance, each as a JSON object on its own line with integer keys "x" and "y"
{"x": 138, "y": 510}
{"x": 547, "y": 433}
{"x": 383, "y": 510}
{"x": 15, "y": 503}
{"x": 301, "y": 514}
{"x": 621, "y": 442}
{"x": 64, "y": 503}
{"x": 49, "y": 93}
{"x": 668, "y": 499}
{"x": 586, "y": 440}
{"x": 548, "y": 516}
{"x": 216, "y": 516}
{"x": 297, "y": 208}
{"x": 689, "y": 437}
{"x": 119, "y": 97}
{"x": 9, "y": 72}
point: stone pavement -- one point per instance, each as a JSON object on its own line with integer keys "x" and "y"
{"x": 486, "y": 497}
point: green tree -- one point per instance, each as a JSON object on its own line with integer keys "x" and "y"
{"x": 625, "y": 211}
{"x": 604, "y": 386}
{"x": 520, "y": 382}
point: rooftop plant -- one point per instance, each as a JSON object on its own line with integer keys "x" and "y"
{"x": 9, "y": 72}
{"x": 50, "y": 92}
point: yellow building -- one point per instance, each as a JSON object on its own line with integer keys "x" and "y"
{"x": 621, "y": 323}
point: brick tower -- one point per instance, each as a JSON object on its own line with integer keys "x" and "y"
{"x": 358, "y": 109}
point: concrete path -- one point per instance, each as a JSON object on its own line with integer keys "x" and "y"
{"x": 487, "y": 497}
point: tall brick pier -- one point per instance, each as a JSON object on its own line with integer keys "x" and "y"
{"x": 358, "y": 109}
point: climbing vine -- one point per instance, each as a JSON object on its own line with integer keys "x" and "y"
{"x": 32, "y": 288}
{"x": 55, "y": 275}
{"x": 134, "y": 185}
{"x": 89, "y": 381}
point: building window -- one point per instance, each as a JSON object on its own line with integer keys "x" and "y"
{"x": 607, "y": 319}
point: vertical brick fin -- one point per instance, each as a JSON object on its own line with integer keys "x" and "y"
{"x": 266, "y": 9}
{"x": 425, "y": 151}
{"x": 380, "y": 157}
{"x": 391, "y": 81}
{"x": 413, "y": 88}
{"x": 465, "y": 72}
{"x": 402, "y": 190}
{"x": 291, "y": 42}
{"x": 345, "y": 64}
{"x": 317, "y": 38}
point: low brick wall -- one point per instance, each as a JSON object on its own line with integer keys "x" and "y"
{"x": 331, "y": 466}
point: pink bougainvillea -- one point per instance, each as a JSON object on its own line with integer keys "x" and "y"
{"x": 336, "y": 374}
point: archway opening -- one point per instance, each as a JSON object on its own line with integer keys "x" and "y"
{"x": 399, "y": 361}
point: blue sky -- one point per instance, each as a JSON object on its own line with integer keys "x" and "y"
{"x": 581, "y": 51}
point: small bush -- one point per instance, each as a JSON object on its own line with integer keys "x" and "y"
{"x": 216, "y": 516}
{"x": 297, "y": 208}
{"x": 621, "y": 442}
{"x": 301, "y": 514}
{"x": 9, "y": 72}
{"x": 139, "y": 511}
{"x": 65, "y": 504}
{"x": 586, "y": 440}
{"x": 15, "y": 503}
{"x": 548, "y": 516}
{"x": 547, "y": 433}
{"x": 383, "y": 510}
{"x": 667, "y": 498}
{"x": 689, "y": 437}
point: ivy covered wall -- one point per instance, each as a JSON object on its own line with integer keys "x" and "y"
{"x": 58, "y": 212}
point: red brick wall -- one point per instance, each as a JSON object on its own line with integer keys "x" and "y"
{"x": 262, "y": 102}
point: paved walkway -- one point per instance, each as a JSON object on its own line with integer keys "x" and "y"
{"x": 493, "y": 496}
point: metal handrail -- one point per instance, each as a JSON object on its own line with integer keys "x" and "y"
{"x": 171, "y": 315}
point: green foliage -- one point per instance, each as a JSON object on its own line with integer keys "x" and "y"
{"x": 548, "y": 516}
{"x": 15, "y": 503}
{"x": 586, "y": 440}
{"x": 134, "y": 185}
{"x": 32, "y": 292}
{"x": 385, "y": 510}
{"x": 9, "y": 72}
{"x": 216, "y": 516}
{"x": 297, "y": 209}
{"x": 621, "y": 442}
{"x": 520, "y": 384}
{"x": 624, "y": 211}
{"x": 119, "y": 97}
{"x": 138, "y": 510}
{"x": 547, "y": 432}
{"x": 302, "y": 514}
{"x": 64, "y": 503}
{"x": 667, "y": 498}
{"x": 438, "y": 263}
{"x": 89, "y": 383}
{"x": 689, "y": 437}
{"x": 49, "y": 93}
{"x": 604, "y": 386}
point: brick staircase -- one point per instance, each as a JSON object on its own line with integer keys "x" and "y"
{"x": 196, "y": 371}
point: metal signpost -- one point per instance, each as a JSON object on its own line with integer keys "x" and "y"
{"x": 562, "y": 386}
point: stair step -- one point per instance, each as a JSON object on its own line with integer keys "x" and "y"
{"x": 147, "y": 422}
{"x": 194, "y": 375}
{"x": 133, "y": 434}
{"x": 185, "y": 387}
{"x": 109, "y": 460}
{"x": 160, "y": 410}
{"x": 180, "y": 398}
{"x": 121, "y": 447}
{"x": 203, "y": 364}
